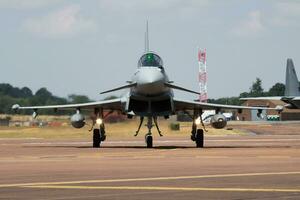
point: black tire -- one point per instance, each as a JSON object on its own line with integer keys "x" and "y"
{"x": 199, "y": 138}
{"x": 96, "y": 138}
{"x": 149, "y": 141}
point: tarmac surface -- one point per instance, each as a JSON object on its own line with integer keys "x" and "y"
{"x": 264, "y": 166}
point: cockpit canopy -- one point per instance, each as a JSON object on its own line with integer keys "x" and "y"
{"x": 150, "y": 60}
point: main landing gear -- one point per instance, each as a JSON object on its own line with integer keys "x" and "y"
{"x": 98, "y": 133}
{"x": 148, "y": 136}
{"x": 198, "y": 134}
{"x": 98, "y": 136}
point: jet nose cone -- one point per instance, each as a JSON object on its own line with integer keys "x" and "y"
{"x": 150, "y": 76}
{"x": 151, "y": 81}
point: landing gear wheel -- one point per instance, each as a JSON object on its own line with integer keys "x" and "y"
{"x": 199, "y": 138}
{"x": 149, "y": 141}
{"x": 96, "y": 138}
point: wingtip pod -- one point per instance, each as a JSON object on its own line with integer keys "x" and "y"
{"x": 15, "y": 107}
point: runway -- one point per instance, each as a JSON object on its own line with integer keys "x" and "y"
{"x": 229, "y": 167}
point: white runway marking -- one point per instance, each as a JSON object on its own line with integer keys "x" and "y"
{"x": 151, "y": 179}
{"x": 20, "y": 139}
{"x": 292, "y": 190}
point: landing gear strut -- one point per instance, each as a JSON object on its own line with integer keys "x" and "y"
{"x": 139, "y": 128}
{"x": 156, "y": 125}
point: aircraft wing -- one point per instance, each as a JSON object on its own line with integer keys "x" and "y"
{"x": 180, "y": 105}
{"x": 283, "y": 98}
{"x": 291, "y": 101}
{"x": 296, "y": 98}
{"x": 113, "y": 104}
{"x": 261, "y": 98}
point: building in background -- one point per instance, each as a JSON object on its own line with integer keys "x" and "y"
{"x": 4, "y": 121}
{"x": 251, "y": 115}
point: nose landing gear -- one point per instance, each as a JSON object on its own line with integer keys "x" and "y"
{"x": 148, "y": 136}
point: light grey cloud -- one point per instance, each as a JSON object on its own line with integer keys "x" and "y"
{"x": 154, "y": 5}
{"x": 27, "y": 4}
{"x": 289, "y": 8}
{"x": 252, "y": 26}
{"x": 153, "y": 8}
{"x": 286, "y": 13}
{"x": 61, "y": 23}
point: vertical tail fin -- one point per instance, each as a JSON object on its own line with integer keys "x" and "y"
{"x": 292, "y": 87}
{"x": 147, "y": 38}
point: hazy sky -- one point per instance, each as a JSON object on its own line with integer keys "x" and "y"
{"x": 85, "y": 47}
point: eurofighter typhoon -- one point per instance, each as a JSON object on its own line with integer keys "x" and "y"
{"x": 150, "y": 96}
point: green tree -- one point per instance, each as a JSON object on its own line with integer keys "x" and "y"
{"x": 256, "y": 89}
{"x": 74, "y": 98}
{"x": 43, "y": 93}
{"x": 26, "y": 92}
{"x": 41, "y": 97}
{"x": 5, "y": 101}
{"x": 226, "y": 101}
{"x": 7, "y": 89}
{"x": 277, "y": 90}
{"x": 110, "y": 97}
{"x": 244, "y": 95}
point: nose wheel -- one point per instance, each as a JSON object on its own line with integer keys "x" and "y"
{"x": 149, "y": 140}
{"x": 148, "y": 136}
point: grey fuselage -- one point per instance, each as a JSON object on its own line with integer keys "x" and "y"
{"x": 150, "y": 96}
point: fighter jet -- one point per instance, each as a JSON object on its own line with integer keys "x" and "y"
{"x": 292, "y": 89}
{"x": 150, "y": 96}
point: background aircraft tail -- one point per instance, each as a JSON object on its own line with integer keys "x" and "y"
{"x": 292, "y": 87}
